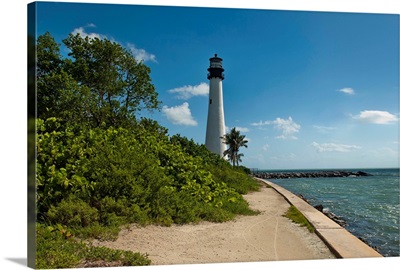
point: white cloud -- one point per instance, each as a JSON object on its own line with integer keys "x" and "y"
{"x": 242, "y": 129}
{"x": 188, "y": 91}
{"x": 348, "y": 91}
{"x": 334, "y": 147}
{"x": 260, "y": 124}
{"x": 288, "y": 127}
{"x": 83, "y": 34}
{"x": 179, "y": 115}
{"x": 376, "y": 117}
{"x": 141, "y": 54}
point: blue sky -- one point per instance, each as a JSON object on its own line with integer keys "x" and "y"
{"x": 308, "y": 89}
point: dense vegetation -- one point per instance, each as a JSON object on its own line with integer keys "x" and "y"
{"x": 100, "y": 168}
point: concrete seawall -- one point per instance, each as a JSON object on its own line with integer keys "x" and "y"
{"x": 341, "y": 242}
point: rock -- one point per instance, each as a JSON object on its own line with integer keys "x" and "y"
{"x": 319, "y": 207}
{"x": 336, "y": 219}
{"x": 360, "y": 173}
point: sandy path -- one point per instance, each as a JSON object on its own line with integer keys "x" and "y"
{"x": 265, "y": 237}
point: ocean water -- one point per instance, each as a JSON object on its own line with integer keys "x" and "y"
{"x": 370, "y": 205}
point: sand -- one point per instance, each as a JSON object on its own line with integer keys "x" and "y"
{"x": 265, "y": 237}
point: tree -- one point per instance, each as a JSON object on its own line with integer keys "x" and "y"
{"x": 48, "y": 67}
{"x": 119, "y": 85}
{"x": 100, "y": 82}
{"x": 58, "y": 93}
{"x": 234, "y": 141}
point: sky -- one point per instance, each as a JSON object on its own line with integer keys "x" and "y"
{"x": 309, "y": 90}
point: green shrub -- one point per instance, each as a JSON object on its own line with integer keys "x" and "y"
{"x": 239, "y": 206}
{"x": 55, "y": 251}
{"x": 73, "y": 212}
{"x": 127, "y": 258}
{"x": 115, "y": 176}
{"x": 63, "y": 164}
{"x": 244, "y": 169}
{"x": 97, "y": 231}
{"x": 213, "y": 214}
{"x": 120, "y": 211}
{"x": 234, "y": 178}
{"x": 164, "y": 204}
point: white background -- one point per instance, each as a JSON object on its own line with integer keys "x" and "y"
{"x": 13, "y": 147}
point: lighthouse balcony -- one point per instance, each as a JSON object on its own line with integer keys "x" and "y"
{"x": 215, "y": 75}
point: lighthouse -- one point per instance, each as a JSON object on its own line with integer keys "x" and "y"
{"x": 215, "y": 119}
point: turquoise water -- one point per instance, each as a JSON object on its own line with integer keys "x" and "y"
{"x": 370, "y": 205}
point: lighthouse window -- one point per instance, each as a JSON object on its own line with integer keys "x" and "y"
{"x": 216, "y": 64}
{"x": 210, "y": 100}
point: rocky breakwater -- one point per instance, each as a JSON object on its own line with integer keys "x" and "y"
{"x": 319, "y": 174}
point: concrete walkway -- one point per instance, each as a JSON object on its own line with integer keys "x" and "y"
{"x": 342, "y": 243}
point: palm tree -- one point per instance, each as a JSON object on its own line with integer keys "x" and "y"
{"x": 234, "y": 141}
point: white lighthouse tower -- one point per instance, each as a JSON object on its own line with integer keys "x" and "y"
{"x": 216, "y": 119}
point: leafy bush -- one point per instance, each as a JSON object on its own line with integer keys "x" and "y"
{"x": 115, "y": 176}
{"x": 55, "y": 251}
{"x": 98, "y": 231}
{"x": 196, "y": 150}
{"x": 235, "y": 178}
{"x": 63, "y": 164}
{"x": 221, "y": 170}
{"x": 73, "y": 212}
{"x": 216, "y": 215}
{"x": 126, "y": 258}
{"x": 120, "y": 211}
